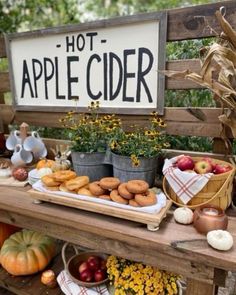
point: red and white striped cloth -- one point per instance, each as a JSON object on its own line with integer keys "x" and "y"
{"x": 185, "y": 184}
{"x": 68, "y": 287}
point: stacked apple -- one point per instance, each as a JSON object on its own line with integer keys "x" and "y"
{"x": 205, "y": 165}
{"x": 93, "y": 269}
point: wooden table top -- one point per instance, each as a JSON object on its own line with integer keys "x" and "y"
{"x": 120, "y": 237}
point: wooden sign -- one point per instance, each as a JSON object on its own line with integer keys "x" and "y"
{"x": 116, "y": 62}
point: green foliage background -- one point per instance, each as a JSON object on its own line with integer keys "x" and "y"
{"x": 23, "y": 15}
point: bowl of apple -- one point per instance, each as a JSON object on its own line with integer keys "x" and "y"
{"x": 86, "y": 269}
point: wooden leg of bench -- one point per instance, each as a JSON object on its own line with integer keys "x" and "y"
{"x": 199, "y": 288}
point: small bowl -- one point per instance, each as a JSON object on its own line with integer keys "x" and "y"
{"x": 209, "y": 217}
{"x": 73, "y": 264}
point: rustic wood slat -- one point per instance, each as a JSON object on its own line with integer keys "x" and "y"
{"x": 180, "y": 121}
{"x": 5, "y": 82}
{"x": 182, "y": 65}
{"x": 188, "y": 22}
{"x": 2, "y": 47}
{"x": 195, "y": 287}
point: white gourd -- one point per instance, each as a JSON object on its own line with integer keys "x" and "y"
{"x": 5, "y": 172}
{"x": 220, "y": 239}
{"x": 44, "y": 171}
{"x": 183, "y": 215}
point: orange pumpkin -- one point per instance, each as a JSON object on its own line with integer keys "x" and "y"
{"x": 44, "y": 163}
{"x": 6, "y": 230}
{"x": 26, "y": 252}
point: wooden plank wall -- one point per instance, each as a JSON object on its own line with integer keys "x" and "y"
{"x": 183, "y": 24}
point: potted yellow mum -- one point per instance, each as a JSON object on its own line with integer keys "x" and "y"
{"x": 134, "y": 278}
{"x": 90, "y": 134}
{"x": 135, "y": 154}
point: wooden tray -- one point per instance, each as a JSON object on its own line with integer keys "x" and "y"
{"x": 152, "y": 220}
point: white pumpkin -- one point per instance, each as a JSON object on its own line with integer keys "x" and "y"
{"x": 183, "y": 215}
{"x": 44, "y": 171}
{"x": 220, "y": 239}
{"x": 5, "y": 172}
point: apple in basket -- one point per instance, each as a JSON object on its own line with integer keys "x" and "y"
{"x": 86, "y": 275}
{"x": 211, "y": 161}
{"x": 94, "y": 262}
{"x": 99, "y": 275}
{"x": 202, "y": 167}
{"x": 221, "y": 168}
{"x": 185, "y": 163}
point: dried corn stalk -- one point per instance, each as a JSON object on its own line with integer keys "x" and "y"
{"x": 218, "y": 73}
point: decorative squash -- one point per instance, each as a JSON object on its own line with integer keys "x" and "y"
{"x": 61, "y": 163}
{"x": 26, "y": 252}
{"x": 6, "y": 230}
{"x": 183, "y": 215}
{"x": 220, "y": 239}
{"x": 44, "y": 171}
{"x": 44, "y": 163}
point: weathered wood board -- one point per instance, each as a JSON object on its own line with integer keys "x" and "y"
{"x": 10, "y": 181}
{"x": 152, "y": 220}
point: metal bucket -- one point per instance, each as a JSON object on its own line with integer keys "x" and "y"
{"x": 91, "y": 164}
{"x": 123, "y": 169}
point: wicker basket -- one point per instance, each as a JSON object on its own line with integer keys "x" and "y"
{"x": 218, "y": 190}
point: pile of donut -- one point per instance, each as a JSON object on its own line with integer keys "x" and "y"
{"x": 135, "y": 193}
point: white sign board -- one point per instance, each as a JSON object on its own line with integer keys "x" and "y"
{"x": 115, "y": 62}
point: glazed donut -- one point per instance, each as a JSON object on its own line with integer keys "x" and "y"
{"x": 96, "y": 189}
{"x": 105, "y": 197}
{"x": 109, "y": 183}
{"x": 76, "y": 183}
{"x": 137, "y": 186}
{"x": 63, "y": 188}
{"x": 122, "y": 190}
{"x": 133, "y": 203}
{"x": 63, "y": 175}
{"x": 147, "y": 199}
{"x": 114, "y": 195}
{"x": 49, "y": 181}
{"x": 84, "y": 191}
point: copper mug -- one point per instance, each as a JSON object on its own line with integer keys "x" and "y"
{"x": 209, "y": 217}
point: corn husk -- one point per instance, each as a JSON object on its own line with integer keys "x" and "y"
{"x": 218, "y": 73}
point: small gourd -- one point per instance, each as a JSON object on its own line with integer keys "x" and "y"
{"x": 44, "y": 171}
{"x": 61, "y": 163}
{"x": 183, "y": 215}
{"x": 44, "y": 163}
{"x": 220, "y": 239}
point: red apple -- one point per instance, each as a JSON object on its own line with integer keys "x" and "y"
{"x": 103, "y": 264}
{"x": 99, "y": 275}
{"x": 83, "y": 266}
{"x": 94, "y": 262}
{"x": 221, "y": 169}
{"x": 86, "y": 275}
{"x": 185, "y": 163}
{"x": 202, "y": 167}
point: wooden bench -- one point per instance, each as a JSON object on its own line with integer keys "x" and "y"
{"x": 203, "y": 267}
